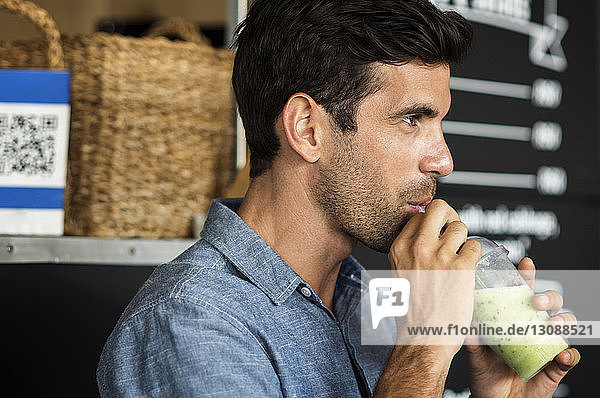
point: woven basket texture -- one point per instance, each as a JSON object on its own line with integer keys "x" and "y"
{"x": 152, "y": 135}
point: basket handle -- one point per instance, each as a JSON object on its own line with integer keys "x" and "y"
{"x": 45, "y": 24}
{"x": 180, "y": 27}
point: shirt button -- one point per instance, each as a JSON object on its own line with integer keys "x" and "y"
{"x": 305, "y": 291}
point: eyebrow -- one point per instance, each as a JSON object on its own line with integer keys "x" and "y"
{"x": 416, "y": 109}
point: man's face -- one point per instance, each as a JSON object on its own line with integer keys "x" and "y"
{"x": 372, "y": 182}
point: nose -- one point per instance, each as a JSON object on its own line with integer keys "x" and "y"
{"x": 437, "y": 159}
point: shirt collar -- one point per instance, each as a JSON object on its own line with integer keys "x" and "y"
{"x": 251, "y": 255}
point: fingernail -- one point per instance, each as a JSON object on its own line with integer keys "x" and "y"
{"x": 566, "y": 356}
{"x": 556, "y": 321}
{"x": 542, "y": 299}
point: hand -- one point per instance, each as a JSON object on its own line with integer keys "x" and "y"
{"x": 430, "y": 242}
{"x": 491, "y": 377}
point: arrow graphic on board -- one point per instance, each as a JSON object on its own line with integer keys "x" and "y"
{"x": 545, "y": 48}
{"x": 548, "y": 180}
{"x": 544, "y": 93}
{"x": 544, "y": 136}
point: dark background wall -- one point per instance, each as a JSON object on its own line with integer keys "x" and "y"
{"x": 55, "y": 319}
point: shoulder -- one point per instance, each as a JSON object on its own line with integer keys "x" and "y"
{"x": 199, "y": 280}
{"x": 189, "y": 319}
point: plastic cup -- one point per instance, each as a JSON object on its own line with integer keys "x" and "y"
{"x": 503, "y": 299}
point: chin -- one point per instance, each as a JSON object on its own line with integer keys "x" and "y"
{"x": 380, "y": 244}
{"x": 383, "y": 243}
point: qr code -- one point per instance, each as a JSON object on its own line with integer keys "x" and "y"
{"x": 27, "y": 144}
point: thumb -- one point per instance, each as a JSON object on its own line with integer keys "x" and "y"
{"x": 476, "y": 352}
{"x": 481, "y": 358}
{"x": 558, "y": 368}
{"x": 471, "y": 340}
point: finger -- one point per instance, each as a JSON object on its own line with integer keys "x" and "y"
{"x": 563, "y": 362}
{"x": 472, "y": 340}
{"x": 550, "y": 300}
{"x": 470, "y": 252}
{"x": 405, "y": 238}
{"x": 413, "y": 226}
{"x": 527, "y": 270}
{"x": 564, "y": 318}
{"x": 568, "y": 358}
{"x": 437, "y": 215}
{"x": 454, "y": 236}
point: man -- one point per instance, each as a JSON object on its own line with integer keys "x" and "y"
{"x": 342, "y": 102}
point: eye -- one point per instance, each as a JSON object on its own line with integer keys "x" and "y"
{"x": 411, "y": 120}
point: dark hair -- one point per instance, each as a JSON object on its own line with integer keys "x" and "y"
{"x": 325, "y": 48}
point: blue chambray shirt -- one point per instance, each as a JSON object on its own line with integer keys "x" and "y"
{"x": 229, "y": 318}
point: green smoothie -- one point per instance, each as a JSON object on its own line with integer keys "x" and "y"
{"x": 506, "y": 306}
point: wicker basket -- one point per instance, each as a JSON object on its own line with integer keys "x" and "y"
{"x": 152, "y": 133}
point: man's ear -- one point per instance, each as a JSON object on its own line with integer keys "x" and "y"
{"x": 300, "y": 118}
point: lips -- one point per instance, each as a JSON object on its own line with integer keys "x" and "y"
{"x": 419, "y": 206}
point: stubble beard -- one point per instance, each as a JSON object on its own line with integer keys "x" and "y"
{"x": 355, "y": 200}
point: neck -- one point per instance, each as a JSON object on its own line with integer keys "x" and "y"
{"x": 292, "y": 224}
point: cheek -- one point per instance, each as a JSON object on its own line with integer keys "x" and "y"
{"x": 398, "y": 159}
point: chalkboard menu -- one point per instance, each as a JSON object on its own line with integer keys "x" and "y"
{"x": 523, "y": 131}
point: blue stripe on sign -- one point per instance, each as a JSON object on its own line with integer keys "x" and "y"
{"x": 31, "y": 198}
{"x": 34, "y": 86}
